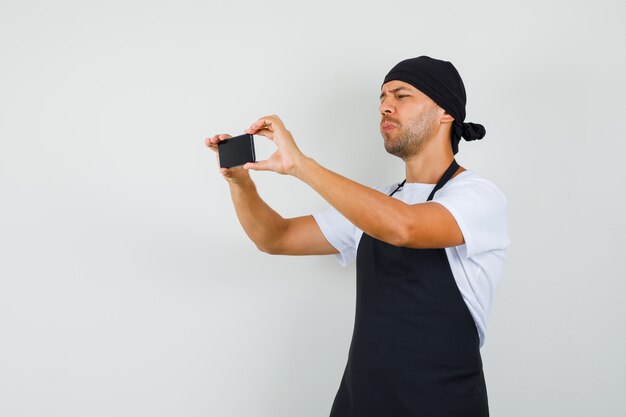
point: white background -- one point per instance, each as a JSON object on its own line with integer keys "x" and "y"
{"x": 127, "y": 285}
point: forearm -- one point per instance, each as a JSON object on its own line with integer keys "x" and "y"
{"x": 366, "y": 208}
{"x": 260, "y": 222}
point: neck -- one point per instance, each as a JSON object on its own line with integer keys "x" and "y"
{"x": 429, "y": 165}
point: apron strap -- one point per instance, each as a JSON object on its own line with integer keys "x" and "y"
{"x": 444, "y": 179}
{"x": 399, "y": 186}
{"x": 446, "y": 176}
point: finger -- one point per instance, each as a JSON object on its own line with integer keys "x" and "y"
{"x": 221, "y": 137}
{"x": 257, "y": 166}
{"x": 267, "y": 122}
{"x": 262, "y": 132}
{"x": 212, "y": 146}
{"x": 218, "y": 138}
{"x": 230, "y": 170}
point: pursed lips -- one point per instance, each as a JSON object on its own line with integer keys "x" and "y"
{"x": 387, "y": 125}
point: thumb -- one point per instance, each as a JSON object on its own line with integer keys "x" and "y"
{"x": 257, "y": 166}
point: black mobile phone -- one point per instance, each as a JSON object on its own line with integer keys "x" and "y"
{"x": 236, "y": 151}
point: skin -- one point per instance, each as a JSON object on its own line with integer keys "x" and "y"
{"x": 420, "y": 136}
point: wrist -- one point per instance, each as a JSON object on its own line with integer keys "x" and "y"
{"x": 303, "y": 166}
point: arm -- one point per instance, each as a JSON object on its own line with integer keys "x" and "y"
{"x": 425, "y": 225}
{"x": 269, "y": 231}
{"x": 272, "y": 233}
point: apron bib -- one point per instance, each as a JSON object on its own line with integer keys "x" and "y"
{"x": 415, "y": 346}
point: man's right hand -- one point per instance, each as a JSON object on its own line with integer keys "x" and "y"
{"x": 236, "y": 175}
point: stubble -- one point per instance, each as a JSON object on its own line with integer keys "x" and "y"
{"x": 412, "y": 137}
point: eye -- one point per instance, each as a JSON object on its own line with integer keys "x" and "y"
{"x": 402, "y": 96}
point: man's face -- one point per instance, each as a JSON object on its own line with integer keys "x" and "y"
{"x": 408, "y": 118}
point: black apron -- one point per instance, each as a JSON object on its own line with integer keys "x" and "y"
{"x": 415, "y": 346}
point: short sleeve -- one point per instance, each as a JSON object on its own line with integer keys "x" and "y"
{"x": 339, "y": 232}
{"x": 480, "y": 210}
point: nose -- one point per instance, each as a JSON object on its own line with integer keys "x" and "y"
{"x": 386, "y": 106}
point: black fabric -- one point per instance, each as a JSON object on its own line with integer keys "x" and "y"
{"x": 399, "y": 186}
{"x": 415, "y": 346}
{"x": 454, "y": 166}
{"x": 440, "y": 81}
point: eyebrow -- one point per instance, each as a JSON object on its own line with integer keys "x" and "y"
{"x": 394, "y": 90}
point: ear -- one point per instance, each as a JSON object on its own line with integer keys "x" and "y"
{"x": 446, "y": 118}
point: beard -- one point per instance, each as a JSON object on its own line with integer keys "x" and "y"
{"x": 411, "y": 140}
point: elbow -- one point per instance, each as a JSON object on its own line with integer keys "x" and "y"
{"x": 274, "y": 244}
{"x": 405, "y": 236}
{"x": 264, "y": 249}
{"x": 400, "y": 236}
{"x": 271, "y": 250}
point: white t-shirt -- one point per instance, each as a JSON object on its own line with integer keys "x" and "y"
{"x": 480, "y": 210}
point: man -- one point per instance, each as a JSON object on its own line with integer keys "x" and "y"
{"x": 429, "y": 250}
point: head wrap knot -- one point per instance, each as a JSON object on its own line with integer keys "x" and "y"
{"x": 440, "y": 81}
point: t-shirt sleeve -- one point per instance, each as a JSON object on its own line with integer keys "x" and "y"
{"x": 480, "y": 210}
{"x": 339, "y": 231}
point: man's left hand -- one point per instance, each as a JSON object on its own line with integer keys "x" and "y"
{"x": 287, "y": 157}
